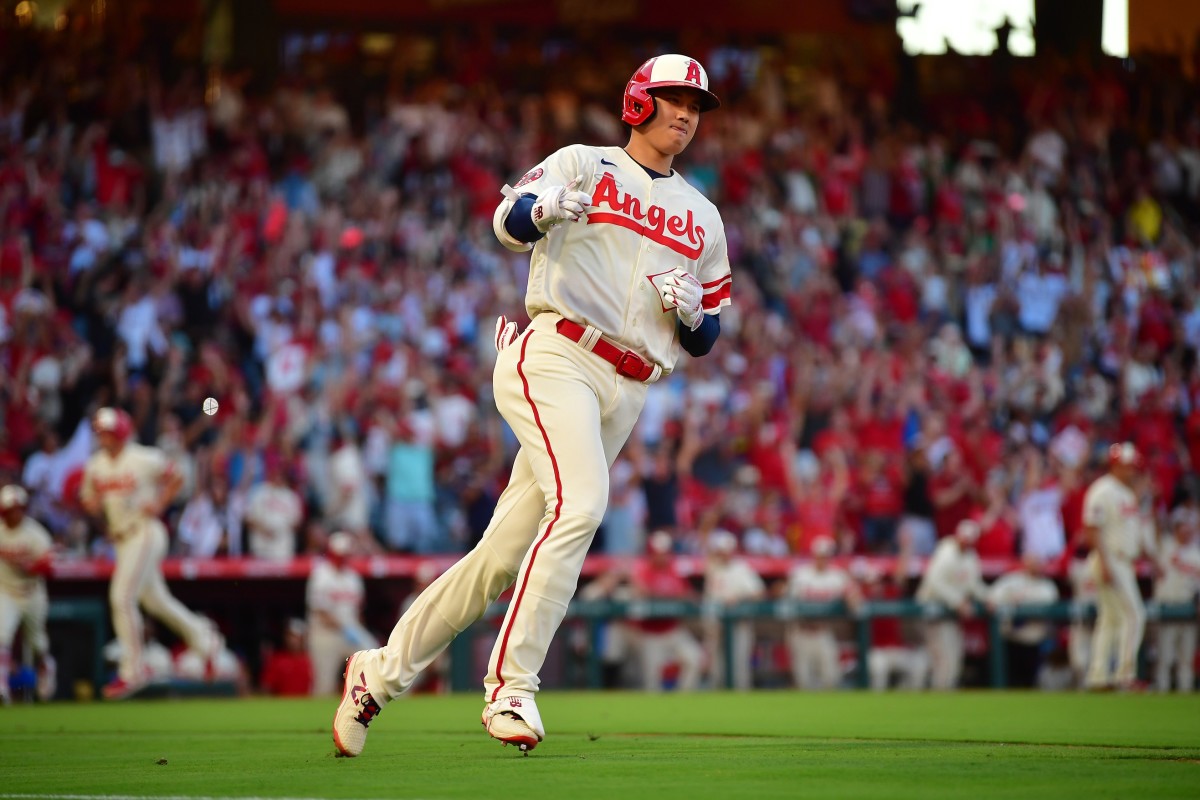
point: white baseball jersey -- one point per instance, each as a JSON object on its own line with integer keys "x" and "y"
{"x": 275, "y": 512}
{"x": 952, "y": 575}
{"x": 813, "y": 585}
{"x": 1112, "y": 508}
{"x": 20, "y": 548}
{"x": 125, "y": 484}
{"x": 1021, "y": 588}
{"x": 608, "y": 273}
{"x": 1180, "y": 564}
{"x": 337, "y": 592}
{"x": 732, "y": 581}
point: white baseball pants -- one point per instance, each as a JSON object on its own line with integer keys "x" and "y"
{"x": 1176, "y": 647}
{"x": 944, "y": 641}
{"x": 328, "y": 649}
{"x": 677, "y": 646}
{"x": 27, "y": 611}
{"x": 137, "y": 582}
{"x": 813, "y": 652}
{"x": 571, "y": 413}
{"x": 743, "y": 653}
{"x": 911, "y": 665}
{"x": 1120, "y": 623}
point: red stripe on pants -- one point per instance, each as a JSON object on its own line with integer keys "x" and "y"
{"x": 512, "y": 616}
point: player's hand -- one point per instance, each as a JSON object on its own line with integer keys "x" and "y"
{"x": 560, "y": 204}
{"x": 506, "y": 332}
{"x": 684, "y": 293}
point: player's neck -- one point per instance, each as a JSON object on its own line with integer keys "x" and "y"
{"x": 648, "y": 157}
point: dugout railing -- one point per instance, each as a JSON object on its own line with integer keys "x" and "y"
{"x": 595, "y": 613}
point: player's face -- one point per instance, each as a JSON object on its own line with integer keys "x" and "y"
{"x": 108, "y": 441}
{"x": 677, "y": 115}
{"x": 12, "y": 516}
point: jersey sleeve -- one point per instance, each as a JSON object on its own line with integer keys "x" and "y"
{"x": 714, "y": 274}
{"x": 558, "y": 169}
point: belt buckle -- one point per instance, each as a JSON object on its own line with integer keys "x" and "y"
{"x": 631, "y": 365}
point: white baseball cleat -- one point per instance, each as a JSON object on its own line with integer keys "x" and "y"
{"x": 358, "y": 707}
{"x": 514, "y": 720}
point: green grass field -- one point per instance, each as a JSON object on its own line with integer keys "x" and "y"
{"x": 620, "y": 745}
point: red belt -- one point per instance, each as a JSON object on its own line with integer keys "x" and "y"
{"x": 627, "y": 362}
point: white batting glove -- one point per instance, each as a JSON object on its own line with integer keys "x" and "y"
{"x": 682, "y": 291}
{"x": 560, "y": 204}
{"x": 506, "y": 332}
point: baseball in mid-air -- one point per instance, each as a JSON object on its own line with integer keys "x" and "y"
{"x": 210, "y": 405}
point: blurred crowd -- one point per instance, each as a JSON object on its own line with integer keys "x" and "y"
{"x": 949, "y": 294}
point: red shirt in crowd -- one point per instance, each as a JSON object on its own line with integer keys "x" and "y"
{"x": 288, "y": 674}
{"x": 659, "y": 580}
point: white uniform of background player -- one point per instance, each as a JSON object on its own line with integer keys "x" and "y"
{"x": 812, "y": 646}
{"x": 1083, "y": 597}
{"x": 131, "y": 485}
{"x": 639, "y": 268}
{"x": 1027, "y": 585}
{"x": 1179, "y": 582}
{"x": 335, "y": 595}
{"x": 952, "y": 579}
{"x": 729, "y": 580}
{"x": 25, "y": 558}
{"x": 1114, "y": 524}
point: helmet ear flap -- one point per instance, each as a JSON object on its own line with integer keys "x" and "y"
{"x": 639, "y": 105}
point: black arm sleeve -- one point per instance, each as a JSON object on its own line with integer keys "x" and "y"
{"x": 519, "y": 224}
{"x": 698, "y": 342}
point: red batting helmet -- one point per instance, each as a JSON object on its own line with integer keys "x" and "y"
{"x": 1125, "y": 453}
{"x": 114, "y": 421}
{"x": 666, "y": 70}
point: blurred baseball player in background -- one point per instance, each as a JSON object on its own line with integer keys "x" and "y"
{"x": 1023, "y": 639}
{"x": 953, "y": 579}
{"x": 892, "y": 656}
{"x": 628, "y": 261}
{"x": 812, "y": 645}
{"x": 131, "y": 486}
{"x": 1113, "y": 522}
{"x": 335, "y": 595}
{"x": 729, "y": 580}
{"x": 664, "y": 640}
{"x": 25, "y": 560}
{"x": 1178, "y": 582}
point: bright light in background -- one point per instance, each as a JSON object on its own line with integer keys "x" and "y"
{"x": 1114, "y": 31}
{"x": 967, "y": 26}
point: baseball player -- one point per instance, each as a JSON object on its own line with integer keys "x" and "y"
{"x": 729, "y": 580}
{"x": 812, "y": 646}
{"x": 892, "y": 656}
{"x": 1023, "y": 640}
{"x": 1113, "y": 523}
{"x": 1179, "y": 581}
{"x": 334, "y": 594}
{"x": 25, "y": 560}
{"x": 628, "y": 260}
{"x": 131, "y": 486}
{"x": 952, "y": 579}
{"x": 664, "y": 640}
